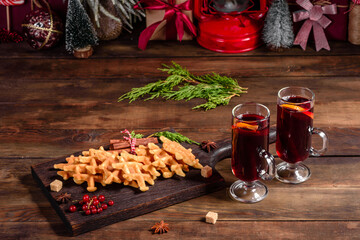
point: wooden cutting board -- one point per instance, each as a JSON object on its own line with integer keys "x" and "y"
{"x": 131, "y": 202}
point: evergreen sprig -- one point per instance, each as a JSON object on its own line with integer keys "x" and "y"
{"x": 183, "y": 85}
{"x": 177, "y": 137}
{"x": 136, "y": 135}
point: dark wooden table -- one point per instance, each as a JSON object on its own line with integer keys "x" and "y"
{"x": 52, "y": 105}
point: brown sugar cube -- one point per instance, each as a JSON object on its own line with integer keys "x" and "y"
{"x": 56, "y": 185}
{"x": 211, "y": 217}
{"x": 206, "y": 171}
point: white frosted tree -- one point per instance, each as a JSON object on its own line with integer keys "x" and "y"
{"x": 278, "y": 30}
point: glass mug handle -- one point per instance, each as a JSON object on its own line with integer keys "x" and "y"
{"x": 322, "y": 134}
{"x": 269, "y": 173}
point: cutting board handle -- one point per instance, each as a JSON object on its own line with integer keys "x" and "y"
{"x": 224, "y": 148}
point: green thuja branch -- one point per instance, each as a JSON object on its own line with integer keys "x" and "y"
{"x": 177, "y": 137}
{"x": 182, "y": 85}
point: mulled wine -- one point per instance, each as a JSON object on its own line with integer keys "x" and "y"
{"x": 250, "y": 135}
{"x": 294, "y": 126}
{"x": 250, "y": 157}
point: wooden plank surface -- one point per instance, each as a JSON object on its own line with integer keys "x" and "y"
{"x": 52, "y": 105}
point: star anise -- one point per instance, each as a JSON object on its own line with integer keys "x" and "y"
{"x": 63, "y": 197}
{"x": 208, "y": 145}
{"x": 160, "y": 227}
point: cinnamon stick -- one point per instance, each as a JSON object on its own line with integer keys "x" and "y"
{"x": 120, "y": 144}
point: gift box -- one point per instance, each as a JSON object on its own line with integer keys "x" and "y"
{"x": 17, "y": 13}
{"x": 166, "y": 20}
{"x": 161, "y": 33}
{"x": 337, "y": 30}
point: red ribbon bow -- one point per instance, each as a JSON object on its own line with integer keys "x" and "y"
{"x": 173, "y": 15}
{"x": 316, "y": 21}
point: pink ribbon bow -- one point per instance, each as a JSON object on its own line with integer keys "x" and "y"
{"x": 173, "y": 15}
{"x": 131, "y": 140}
{"x": 316, "y": 21}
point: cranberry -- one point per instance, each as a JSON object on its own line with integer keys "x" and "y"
{"x": 95, "y": 202}
{"x": 111, "y": 202}
{"x": 104, "y": 206}
{"x": 101, "y": 198}
{"x": 94, "y": 211}
{"x": 84, "y": 207}
{"x": 86, "y": 198}
{"x": 88, "y": 212}
{"x": 99, "y": 210}
{"x": 72, "y": 208}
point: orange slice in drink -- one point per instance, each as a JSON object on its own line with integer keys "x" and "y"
{"x": 299, "y": 109}
{"x": 247, "y": 126}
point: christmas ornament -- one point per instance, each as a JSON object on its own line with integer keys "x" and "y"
{"x": 107, "y": 28}
{"x": 354, "y": 22}
{"x": 124, "y": 13}
{"x": 42, "y": 28}
{"x": 7, "y": 36}
{"x": 316, "y": 20}
{"x": 9, "y": 3}
{"x": 80, "y": 34}
{"x": 278, "y": 30}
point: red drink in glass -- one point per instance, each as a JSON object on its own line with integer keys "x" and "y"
{"x": 250, "y": 158}
{"x": 294, "y": 128}
{"x": 249, "y": 136}
{"x": 294, "y": 125}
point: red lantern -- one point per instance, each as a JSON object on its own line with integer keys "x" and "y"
{"x": 230, "y": 26}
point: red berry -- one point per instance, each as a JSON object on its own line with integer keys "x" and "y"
{"x": 95, "y": 202}
{"x": 94, "y": 197}
{"x": 86, "y": 198}
{"x": 104, "y": 206}
{"x": 99, "y": 210}
{"x": 101, "y": 198}
{"x": 111, "y": 202}
{"x": 88, "y": 212}
{"x": 92, "y": 207}
{"x": 84, "y": 207}
{"x": 94, "y": 211}
{"x": 72, "y": 208}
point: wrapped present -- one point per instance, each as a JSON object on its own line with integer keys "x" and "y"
{"x": 17, "y": 13}
{"x": 166, "y": 20}
{"x": 337, "y": 30}
{"x": 354, "y": 22}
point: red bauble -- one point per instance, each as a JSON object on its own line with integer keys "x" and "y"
{"x": 42, "y": 29}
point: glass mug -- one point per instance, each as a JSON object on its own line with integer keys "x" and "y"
{"x": 294, "y": 129}
{"x": 250, "y": 159}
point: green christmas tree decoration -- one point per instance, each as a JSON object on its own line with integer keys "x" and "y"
{"x": 278, "y": 30}
{"x": 80, "y": 34}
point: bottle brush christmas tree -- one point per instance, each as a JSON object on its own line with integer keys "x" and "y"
{"x": 278, "y": 30}
{"x": 80, "y": 35}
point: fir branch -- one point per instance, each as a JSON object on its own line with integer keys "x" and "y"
{"x": 136, "y": 135}
{"x": 176, "y": 137}
{"x": 183, "y": 85}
